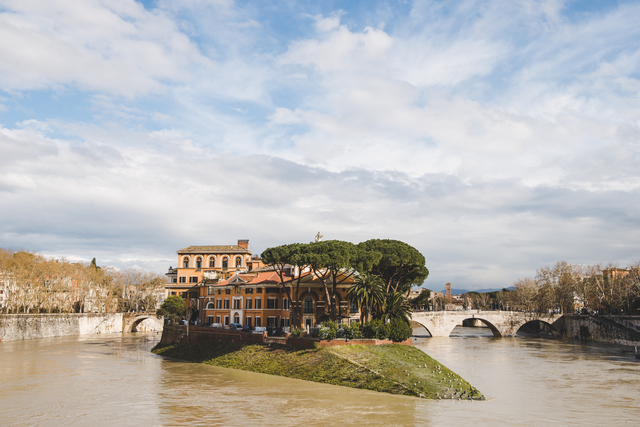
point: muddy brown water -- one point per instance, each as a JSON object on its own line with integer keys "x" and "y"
{"x": 114, "y": 380}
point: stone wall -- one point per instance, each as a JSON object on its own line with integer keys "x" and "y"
{"x": 309, "y": 343}
{"x": 599, "y": 328}
{"x": 31, "y": 326}
{"x": 200, "y": 334}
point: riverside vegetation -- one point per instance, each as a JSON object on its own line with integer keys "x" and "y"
{"x": 391, "y": 368}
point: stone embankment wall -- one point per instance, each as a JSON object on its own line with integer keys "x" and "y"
{"x": 15, "y": 327}
{"x": 178, "y": 334}
{"x": 199, "y": 334}
{"x": 31, "y": 326}
{"x": 610, "y": 329}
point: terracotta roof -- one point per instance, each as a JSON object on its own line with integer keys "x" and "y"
{"x": 266, "y": 277}
{"x": 214, "y": 249}
{"x": 245, "y": 277}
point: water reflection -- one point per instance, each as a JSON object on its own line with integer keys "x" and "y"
{"x": 114, "y": 379}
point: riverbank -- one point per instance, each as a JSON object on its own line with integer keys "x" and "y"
{"x": 389, "y": 368}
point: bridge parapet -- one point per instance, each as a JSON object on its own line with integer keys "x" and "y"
{"x": 501, "y": 323}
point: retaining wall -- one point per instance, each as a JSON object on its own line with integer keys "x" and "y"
{"x": 31, "y": 326}
{"x": 598, "y": 328}
{"x": 200, "y": 334}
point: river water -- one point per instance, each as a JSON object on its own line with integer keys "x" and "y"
{"x": 114, "y": 380}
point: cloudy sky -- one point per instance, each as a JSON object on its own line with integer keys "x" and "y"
{"x": 494, "y": 136}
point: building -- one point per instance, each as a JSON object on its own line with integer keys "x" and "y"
{"x": 228, "y": 284}
{"x": 259, "y": 299}
{"x": 202, "y": 266}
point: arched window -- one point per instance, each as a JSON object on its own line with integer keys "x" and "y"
{"x": 353, "y": 307}
{"x": 199, "y": 262}
{"x": 210, "y": 306}
{"x": 212, "y": 262}
{"x": 225, "y": 262}
{"x": 308, "y": 305}
{"x": 238, "y": 262}
{"x": 185, "y": 262}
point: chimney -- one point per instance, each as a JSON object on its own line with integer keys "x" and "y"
{"x": 243, "y": 243}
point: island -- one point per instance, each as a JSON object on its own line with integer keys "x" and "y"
{"x": 389, "y": 368}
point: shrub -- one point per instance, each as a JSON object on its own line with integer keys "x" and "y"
{"x": 328, "y": 330}
{"x": 377, "y": 329}
{"x": 297, "y": 333}
{"x": 399, "y": 330}
{"x": 356, "y": 330}
{"x": 161, "y": 312}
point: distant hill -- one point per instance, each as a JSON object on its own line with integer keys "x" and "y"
{"x": 455, "y": 291}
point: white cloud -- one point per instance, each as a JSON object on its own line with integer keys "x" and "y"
{"x": 494, "y": 137}
{"x": 116, "y": 47}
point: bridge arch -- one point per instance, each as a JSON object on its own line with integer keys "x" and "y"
{"x": 501, "y": 323}
{"x": 131, "y": 324}
{"x": 444, "y": 329}
{"x": 541, "y": 327}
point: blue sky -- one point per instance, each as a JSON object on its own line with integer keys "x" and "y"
{"x": 495, "y": 137}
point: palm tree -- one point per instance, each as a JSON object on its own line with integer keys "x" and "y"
{"x": 367, "y": 294}
{"x": 396, "y": 306}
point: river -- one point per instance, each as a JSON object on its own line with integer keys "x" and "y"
{"x": 114, "y": 380}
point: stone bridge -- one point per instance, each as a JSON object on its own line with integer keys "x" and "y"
{"x": 501, "y": 323}
{"x": 130, "y": 321}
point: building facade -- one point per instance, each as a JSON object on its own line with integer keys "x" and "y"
{"x": 228, "y": 284}
{"x": 259, "y": 299}
{"x": 202, "y": 266}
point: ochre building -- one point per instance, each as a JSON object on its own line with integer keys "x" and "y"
{"x": 228, "y": 284}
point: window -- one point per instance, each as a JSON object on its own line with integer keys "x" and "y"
{"x": 236, "y": 319}
{"x": 185, "y": 262}
{"x": 219, "y": 291}
{"x": 193, "y": 295}
{"x": 285, "y": 304}
{"x": 248, "y": 291}
{"x": 227, "y": 291}
{"x": 193, "y": 279}
{"x": 225, "y": 262}
{"x": 248, "y": 322}
{"x": 218, "y": 304}
{"x": 272, "y": 303}
{"x": 198, "y": 262}
{"x": 226, "y": 320}
{"x": 183, "y": 295}
{"x": 272, "y": 290}
{"x": 353, "y": 307}
{"x": 173, "y": 293}
{"x": 248, "y": 303}
{"x": 211, "y": 291}
{"x": 271, "y": 322}
{"x": 210, "y": 306}
{"x": 258, "y": 304}
{"x": 174, "y": 280}
{"x": 237, "y": 304}
{"x": 238, "y": 290}
{"x": 209, "y": 319}
{"x": 238, "y": 262}
{"x": 226, "y": 304}
{"x": 212, "y": 262}
{"x": 258, "y": 324}
{"x": 259, "y": 290}
{"x": 308, "y": 305}
{"x": 183, "y": 279}
{"x": 217, "y": 319}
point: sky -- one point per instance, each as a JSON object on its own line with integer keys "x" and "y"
{"x": 496, "y": 137}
